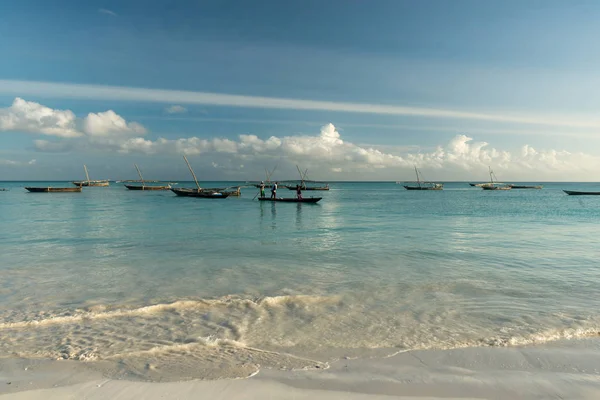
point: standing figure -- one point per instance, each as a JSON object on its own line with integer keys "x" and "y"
{"x": 274, "y": 191}
{"x": 262, "y": 189}
{"x": 299, "y": 192}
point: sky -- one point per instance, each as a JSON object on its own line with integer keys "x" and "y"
{"x": 350, "y": 90}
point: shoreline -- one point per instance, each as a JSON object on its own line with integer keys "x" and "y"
{"x": 562, "y": 369}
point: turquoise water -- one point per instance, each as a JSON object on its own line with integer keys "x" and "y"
{"x": 169, "y": 288}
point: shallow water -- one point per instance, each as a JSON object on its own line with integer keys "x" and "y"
{"x": 172, "y": 288}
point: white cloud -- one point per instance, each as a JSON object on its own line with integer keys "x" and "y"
{"x": 32, "y": 117}
{"x": 327, "y": 151}
{"x": 16, "y": 163}
{"x": 28, "y": 116}
{"x": 109, "y": 123}
{"x": 107, "y": 12}
{"x": 76, "y": 91}
{"x": 175, "y": 109}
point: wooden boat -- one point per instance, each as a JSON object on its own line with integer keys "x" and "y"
{"x": 88, "y": 182}
{"x": 525, "y": 186}
{"x": 291, "y": 199}
{"x": 144, "y": 186}
{"x": 303, "y": 182}
{"x": 203, "y": 193}
{"x": 494, "y": 185}
{"x": 198, "y": 192}
{"x": 147, "y": 187}
{"x": 51, "y": 189}
{"x": 578, "y": 193}
{"x": 422, "y": 185}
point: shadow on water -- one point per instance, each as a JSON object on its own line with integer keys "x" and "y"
{"x": 298, "y": 215}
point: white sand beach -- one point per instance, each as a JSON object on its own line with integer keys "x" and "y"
{"x": 568, "y": 369}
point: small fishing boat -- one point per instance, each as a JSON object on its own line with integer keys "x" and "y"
{"x": 291, "y": 199}
{"x": 207, "y": 194}
{"x": 578, "y": 193}
{"x": 143, "y": 185}
{"x": 525, "y": 186}
{"x": 494, "y": 185}
{"x": 422, "y": 185}
{"x": 303, "y": 181}
{"x": 198, "y": 192}
{"x": 51, "y": 189}
{"x": 147, "y": 187}
{"x": 88, "y": 182}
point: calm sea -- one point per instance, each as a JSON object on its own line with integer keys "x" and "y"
{"x": 152, "y": 286}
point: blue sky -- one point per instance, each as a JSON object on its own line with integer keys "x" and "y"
{"x": 507, "y": 73}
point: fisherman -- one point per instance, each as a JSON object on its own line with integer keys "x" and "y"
{"x": 262, "y": 189}
{"x": 274, "y": 191}
{"x": 299, "y": 192}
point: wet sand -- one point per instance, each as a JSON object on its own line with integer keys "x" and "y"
{"x": 567, "y": 369}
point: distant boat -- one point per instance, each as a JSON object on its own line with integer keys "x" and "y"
{"x": 88, "y": 182}
{"x": 144, "y": 186}
{"x": 51, "y": 189}
{"x": 494, "y": 185}
{"x": 198, "y": 192}
{"x": 291, "y": 199}
{"x": 303, "y": 181}
{"x": 577, "y": 193}
{"x": 525, "y": 186}
{"x": 422, "y": 185}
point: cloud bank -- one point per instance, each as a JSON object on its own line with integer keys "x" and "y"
{"x": 325, "y": 151}
{"x": 175, "y": 109}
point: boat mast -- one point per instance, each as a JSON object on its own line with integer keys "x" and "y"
{"x": 192, "y": 171}
{"x": 86, "y": 174}
{"x": 491, "y": 177}
{"x": 140, "y": 174}
{"x": 418, "y": 180}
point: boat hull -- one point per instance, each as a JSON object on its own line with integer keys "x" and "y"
{"x": 309, "y": 188}
{"x": 199, "y": 193}
{"x": 576, "y": 193}
{"x": 137, "y": 187}
{"x": 92, "y": 183}
{"x": 422, "y": 188}
{"x": 291, "y": 199}
{"x": 525, "y": 187}
{"x": 496, "y": 187}
{"x": 53, "y": 189}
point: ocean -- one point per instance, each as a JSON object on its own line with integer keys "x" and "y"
{"x": 148, "y": 285}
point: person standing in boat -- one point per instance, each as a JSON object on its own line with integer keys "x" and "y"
{"x": 274, "y": 191}
{"x": 299, "y": 192}
{"x": 262, "y": 189}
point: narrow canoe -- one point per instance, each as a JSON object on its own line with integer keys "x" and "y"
{"x": 144, "y": 187}
{"x": 50, "y": 189}
{"x": 199, "y": 193}
{"x": 576, "y": 193}
{"x": 291, "y": 199}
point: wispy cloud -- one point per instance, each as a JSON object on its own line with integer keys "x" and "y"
{"x": 17, "y": 163}
{"x": 107, "y": 12}
{"x": 117, "y": 93}
{"x": 175, "y": 109}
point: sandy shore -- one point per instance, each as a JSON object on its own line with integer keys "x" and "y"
{"x": 560, "y": 370}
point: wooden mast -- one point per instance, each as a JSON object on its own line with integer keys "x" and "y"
{"x": 491, "y": 177}
{"x": 140, "y": 174}
{"x": 86, "y": 174}
{"x": 418, "y": 180}
{"x": 192, "y": 171}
